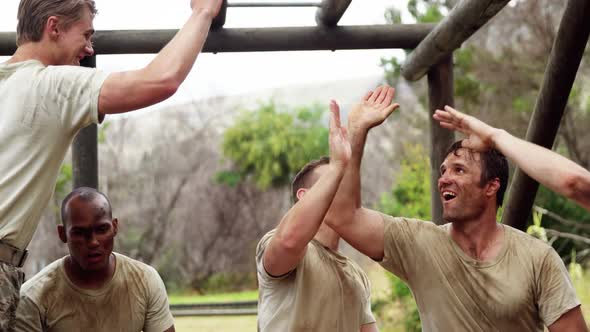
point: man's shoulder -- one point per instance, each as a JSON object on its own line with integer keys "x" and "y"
{"x": 45, "y": 280}
{"x": 129, "y": 264}
{"x": 527, "y": 244}
{"x": 264, "y": 241}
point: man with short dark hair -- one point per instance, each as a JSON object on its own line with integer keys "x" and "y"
{"x": 547, "y": 167}
{"x": 93, "y": 288}
{"x": 46, "y": 98}
{"x": 471, "y": 274}
{"x": 304, "y": 283}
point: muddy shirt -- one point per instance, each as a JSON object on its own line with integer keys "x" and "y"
{"x": 134, "y": 300}
{"x": 325, "y": 292}
{"x": 523, "y": 288}
{"x": 41, "y": 110}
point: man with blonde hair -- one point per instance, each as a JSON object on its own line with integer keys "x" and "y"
{"x": 45, "y": 98}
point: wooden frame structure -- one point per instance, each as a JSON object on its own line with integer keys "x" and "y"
{"x": 432, "y": 56}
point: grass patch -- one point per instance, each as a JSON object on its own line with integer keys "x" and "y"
{"x": 219, "y": 323}
{"x": 250, "y": 295}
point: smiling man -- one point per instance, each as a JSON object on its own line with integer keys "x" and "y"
{"x": 46, "y": 98}
{"x": 471, "y": 274}
{"x": 93, "y": 288}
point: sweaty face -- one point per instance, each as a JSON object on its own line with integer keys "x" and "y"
{"x": 459, "y": 187}
{"x": 90, "y": 233}
{"x": 75, "y": 42}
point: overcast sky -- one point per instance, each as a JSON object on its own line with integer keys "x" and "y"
{"x": 237, "y": 73}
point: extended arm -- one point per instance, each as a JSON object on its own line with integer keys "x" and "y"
{"x": 301, "y": 223}
{"x": 361, "y": 227}
{"x": 545, "y": 166}
{"x": 572, "y": 320}
{"x": 131, "y": 90}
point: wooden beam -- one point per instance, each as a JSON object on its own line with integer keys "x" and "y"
{"x": 560, "y": 73}
{"x": 464, "y": 20}
{"x": 331, "y": 11}
{"x": 257, "y": 39}
{"x": 85, "y": 149}
{"x": 440, "y": 93}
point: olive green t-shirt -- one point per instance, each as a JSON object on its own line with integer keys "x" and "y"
{"x": 525, "y": 287}
{"x": 133, "y": 300}
{"x": 326, "y": 292}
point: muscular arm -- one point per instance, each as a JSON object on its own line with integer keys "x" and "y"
{"x": 300, "y": 225}
{"x": 131, "y": 90}
{"x": 545, "y": 166}
{"x": 361, "y": 227}
{"x": 572, "y": 320}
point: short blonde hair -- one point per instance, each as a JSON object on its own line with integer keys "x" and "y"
{"x": 33, "y": 14}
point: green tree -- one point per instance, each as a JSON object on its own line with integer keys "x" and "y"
{"x": 270, "y": 144}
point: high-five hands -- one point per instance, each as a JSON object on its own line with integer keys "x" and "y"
{"x": 375, "y": 107}
{"x": 340, "y": 150}
{"x": 479, "y": 134}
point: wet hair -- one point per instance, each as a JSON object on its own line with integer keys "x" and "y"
{"x": 493, "y": 165}
{"x": 304, "y": 178}
{"x": 86, "y": 194}
{"x": 33, "y": 14}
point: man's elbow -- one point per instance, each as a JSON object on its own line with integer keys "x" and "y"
{"x": 339, "y": 218}
{"x": 576, "y": 186}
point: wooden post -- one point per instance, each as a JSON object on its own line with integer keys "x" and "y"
{"x": 465, "y": 18}
{"x": 440, "y": 93}
{"x": 85, "y": 149}
{"x": 560, "y": 73}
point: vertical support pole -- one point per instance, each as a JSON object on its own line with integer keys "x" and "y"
{"x": 440, "y": 93}
{"x": 560, "y": 73}
{"x": 85, "y": 149}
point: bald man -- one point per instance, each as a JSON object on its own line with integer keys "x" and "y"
{"x": 93, "y": 288}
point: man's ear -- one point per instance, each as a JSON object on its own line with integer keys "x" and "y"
{"x": 61, "y": 231}
{"x": 52, "y": 27}
{"x": 115, "y": 225}
{"x": 492, "y": 187}
{"x": 300, "y": 193}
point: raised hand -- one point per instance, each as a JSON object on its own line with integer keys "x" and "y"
{"x": 375, "y": 107}
{"x": 479, "y": 134}
{"x": 213, "y": 6}
{"x": 340, "y": 150}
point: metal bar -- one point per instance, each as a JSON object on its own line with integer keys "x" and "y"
{"x": 440, "y": 93}
{"x": 465, "y": 19}
{"x": 560, "y": 73}
{"x": 257, "y": 39}
{"x": 331, "y": 11}
{"x": 274, "y": 4}
{"x": 85, "y": 149}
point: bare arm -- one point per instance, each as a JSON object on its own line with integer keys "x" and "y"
{"x": 545, "y": 166}
{"x": 301, "y": 223}
{"x": 369, "y": 328}
{"x": 361, "y": 227}
{"x": 572, "y": 320}
{"x": 131, "y": 90}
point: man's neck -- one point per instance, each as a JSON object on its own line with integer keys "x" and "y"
{"x": 327, "y": 237}
{"x": 89, "y": 279}
{"x": 32, "y": 51}
{"x": 481, "y": 239}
